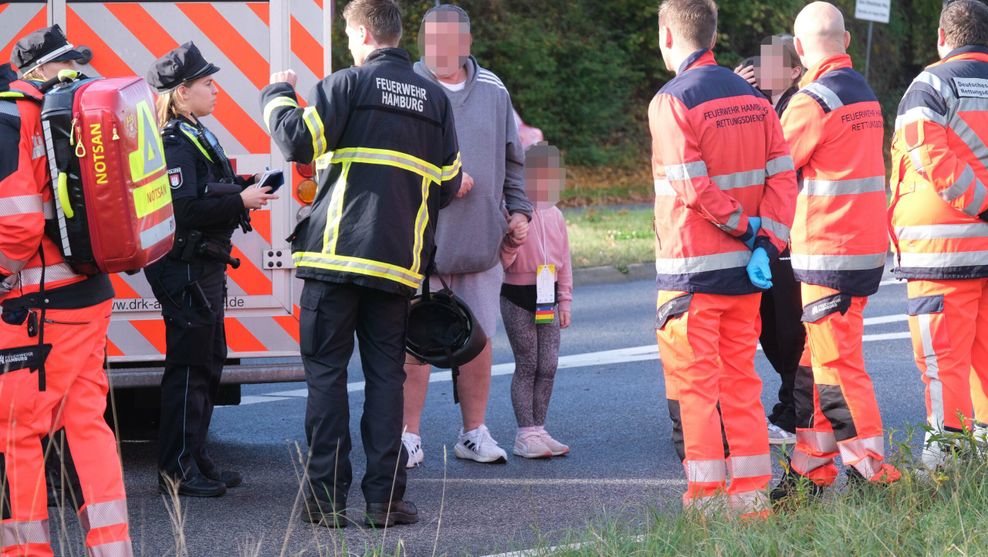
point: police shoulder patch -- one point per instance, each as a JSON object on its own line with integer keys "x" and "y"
{"x": 175, "y": 178}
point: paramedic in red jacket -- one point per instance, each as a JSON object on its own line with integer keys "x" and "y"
{"x": 724, "y": 196}
{"x": 53, "y": 326}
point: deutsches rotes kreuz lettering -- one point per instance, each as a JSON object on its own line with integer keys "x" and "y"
{"x": 401, "y": 95}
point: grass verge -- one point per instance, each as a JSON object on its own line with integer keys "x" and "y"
{"x": 922, "y": 514}
{"x": 610, "y": 236}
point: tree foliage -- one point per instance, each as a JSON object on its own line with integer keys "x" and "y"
{"x": 584, "y": 70}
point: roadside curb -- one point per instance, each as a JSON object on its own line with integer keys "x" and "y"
{"x": 610, "y": 274}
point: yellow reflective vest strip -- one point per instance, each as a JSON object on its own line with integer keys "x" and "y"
{"x": 275, "y": 103}
{"x": 450, "y": 172}
{"x": 421, "y": 222}
{"x": 390, "y": 158}
{"x": 195, "y": 141}
{"x": 316, "y": 129}
{"x": 358, "y": 266}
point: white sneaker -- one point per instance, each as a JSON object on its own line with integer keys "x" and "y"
{"x": 413, "y": 446}
{"x": 557, "y": 448}
{"x": 479, "y": 446}
{"x": 531, "y": 445}
{"x": 779, "y": 436}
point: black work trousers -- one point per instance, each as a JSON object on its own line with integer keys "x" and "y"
{"x": 783, "y": 337}
{"x": 191, "y": 297}
{"x": 330, "y": 315}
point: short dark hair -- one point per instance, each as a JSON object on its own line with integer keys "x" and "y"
{"x": 382, "y": 18}
{"x": 694, "y": 20}
{"x": 965, "y": 23}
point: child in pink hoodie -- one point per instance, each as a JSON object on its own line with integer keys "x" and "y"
{"x": 533, "y": 324}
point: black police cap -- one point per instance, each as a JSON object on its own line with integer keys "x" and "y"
{"x": 43, "y": 46}
{"x": 185, "y": 63}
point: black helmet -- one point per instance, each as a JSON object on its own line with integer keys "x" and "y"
{"x": 442, "y": 330}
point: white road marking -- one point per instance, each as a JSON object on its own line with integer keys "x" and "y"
{"x": 646, "y": 353}
{"x": 537, "y": 482}
{"x": 555, "y": 549}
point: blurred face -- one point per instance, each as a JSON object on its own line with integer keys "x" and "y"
{"x": 445, "y": 46}
{"x": 545, "y": 178}
{"x": 771, "y": 71}
{"x": 199, "y": 96}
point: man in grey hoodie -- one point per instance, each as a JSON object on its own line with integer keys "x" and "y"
{"x": 490, "y": 204}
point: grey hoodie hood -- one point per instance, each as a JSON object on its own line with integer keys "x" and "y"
{"x": 470, "y": 229}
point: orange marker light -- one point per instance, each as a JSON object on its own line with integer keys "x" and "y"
{"x": 306, "y": 191}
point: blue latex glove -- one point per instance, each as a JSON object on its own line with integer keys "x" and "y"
{"x": 756, "y": 224}
{"x": 758, "y": 269}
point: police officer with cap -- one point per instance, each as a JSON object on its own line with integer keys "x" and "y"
{"x": 42, "y": 54}
{"x": 210, "y": 202}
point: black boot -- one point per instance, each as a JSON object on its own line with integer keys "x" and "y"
{"x": 794, "y": 483}
{"x": 193, "y": 486}
{"x": 229, "y": 478}
{"x": 322, "y": 513}
{"x": 389, "y": 514}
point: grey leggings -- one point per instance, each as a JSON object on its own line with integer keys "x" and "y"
{"x": 536, "y": 349}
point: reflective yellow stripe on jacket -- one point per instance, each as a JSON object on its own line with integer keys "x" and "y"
{"x": 358, "y": 266}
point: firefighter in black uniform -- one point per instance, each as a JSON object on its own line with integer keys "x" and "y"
{"x": 384, "y": 146}
{"x": 210, "y": 202}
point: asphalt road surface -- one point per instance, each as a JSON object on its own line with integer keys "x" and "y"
{"x": 608, "y": 405}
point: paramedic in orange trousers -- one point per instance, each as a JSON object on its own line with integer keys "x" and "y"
{"x": 834, "y": 128}
{"x": 53, "y": 325}
{"x": 724, "y": 195}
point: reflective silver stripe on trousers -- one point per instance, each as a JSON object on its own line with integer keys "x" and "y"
{"x": 705, "y": 471}
{"x": 20, "y": 205}
{"x": 701, "y": 264}
{"x": 843, "y": 187}
{"x": 101, "y": 515}
{"x": 820, "y": 441}
{"x": 839, "y": 262}
{"x": 780, "y": 230}
{"x": 858, "y": 453}
{"x": 750, "y": 502}
{"x": 686, "y": 171}
{"x": 750, "y": 466}
{"x": 664, "y": 189}
{"x": 804, "y": 463}
{"x": 942, "y": 231}
{"x": 14, "y": 534}
{"x": 112, "y": 549}
{"x": 919, "y": 113}
{"x": 740, "y": 179}
{"x": 829, "y": 97}
{"x": 780, "y": 164}
{"x": 932, "y": 371}
{"x": 944, "y": 259}
{"x": 157, "y": 233}
{"x": 711, "y": 505}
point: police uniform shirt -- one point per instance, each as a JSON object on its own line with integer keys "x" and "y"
{"x": 190, "y": 173}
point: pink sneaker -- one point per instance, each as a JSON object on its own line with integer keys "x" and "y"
{"x": 557, "y": 448}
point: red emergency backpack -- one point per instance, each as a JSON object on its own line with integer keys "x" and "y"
{"x": 113, "y": 209}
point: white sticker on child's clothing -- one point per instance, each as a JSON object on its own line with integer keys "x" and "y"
{"x": 545, "y": 284}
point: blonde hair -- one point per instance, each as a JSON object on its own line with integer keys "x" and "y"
{"x": 34, "y": 75}
{"x": 168, "y": 106}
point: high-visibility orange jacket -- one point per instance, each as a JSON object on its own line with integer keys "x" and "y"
{"x": 940, "y": 170}
{"x": 25, "y": 201}
{"x": 718, "y": 157}
{"x": 835, "y": 129}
